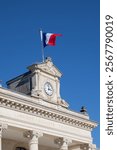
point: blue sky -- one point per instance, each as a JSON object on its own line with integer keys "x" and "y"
{"x": 76, "y": 53}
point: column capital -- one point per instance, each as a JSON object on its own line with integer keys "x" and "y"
{"x": 88, "y": 146}
{"x": 84, "y": 146}
{"x": 92, "y": 147}
{"x": 63, "y": 142}
{"x": 33, "y": 138}
{"x": 2, "y": 128}
{"x": 67, "y": 141}
{"x": 31, "y": 134}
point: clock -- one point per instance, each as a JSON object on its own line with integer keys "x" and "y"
{"x": 48, "y": 88}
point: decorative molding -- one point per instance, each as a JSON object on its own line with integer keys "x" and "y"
{"x": 18, "y": 106}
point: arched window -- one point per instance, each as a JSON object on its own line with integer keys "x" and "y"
{"x": 20, "y": 148}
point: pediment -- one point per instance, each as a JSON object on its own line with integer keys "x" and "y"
{"x": 47, "y": 67}
{"x": 51, "y": 69}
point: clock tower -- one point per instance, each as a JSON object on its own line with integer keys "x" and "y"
{"x": 33, "y": 115}
{"x": 42, "y": 81}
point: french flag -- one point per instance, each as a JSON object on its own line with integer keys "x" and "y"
{"x": 49, "y": 38}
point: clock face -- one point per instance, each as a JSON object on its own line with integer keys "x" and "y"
{"x": 48, "y": 88}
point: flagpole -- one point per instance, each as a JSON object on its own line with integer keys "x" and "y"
{"x": 42, "y": 49}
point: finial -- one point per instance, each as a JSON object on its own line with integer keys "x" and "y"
{"x": 48, "y": 59}
{"x": 83, "y": 110}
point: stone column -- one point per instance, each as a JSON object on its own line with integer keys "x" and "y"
{"x": 63, "y": 143}
{"x": 33, "y": 139}
{"x": 2, "y": 127}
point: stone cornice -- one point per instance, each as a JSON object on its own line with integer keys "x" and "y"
{"x": 34, "y": 108}
{"x": 20, "y": 97}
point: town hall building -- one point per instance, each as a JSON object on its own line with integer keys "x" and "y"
{"x": 34, "y": 116}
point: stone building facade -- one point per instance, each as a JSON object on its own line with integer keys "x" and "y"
{"x": 33, "y": 116}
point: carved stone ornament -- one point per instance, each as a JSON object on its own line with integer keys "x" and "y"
{"x": 88, "y": 146}
{"x": 62, "y": 141}
{"x": 2, "y": 128}
{"x": 47, "y": 67}
{"x": 31, "y": 134}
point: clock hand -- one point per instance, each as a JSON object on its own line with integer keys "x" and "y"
{"x": 50, "y": 89}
